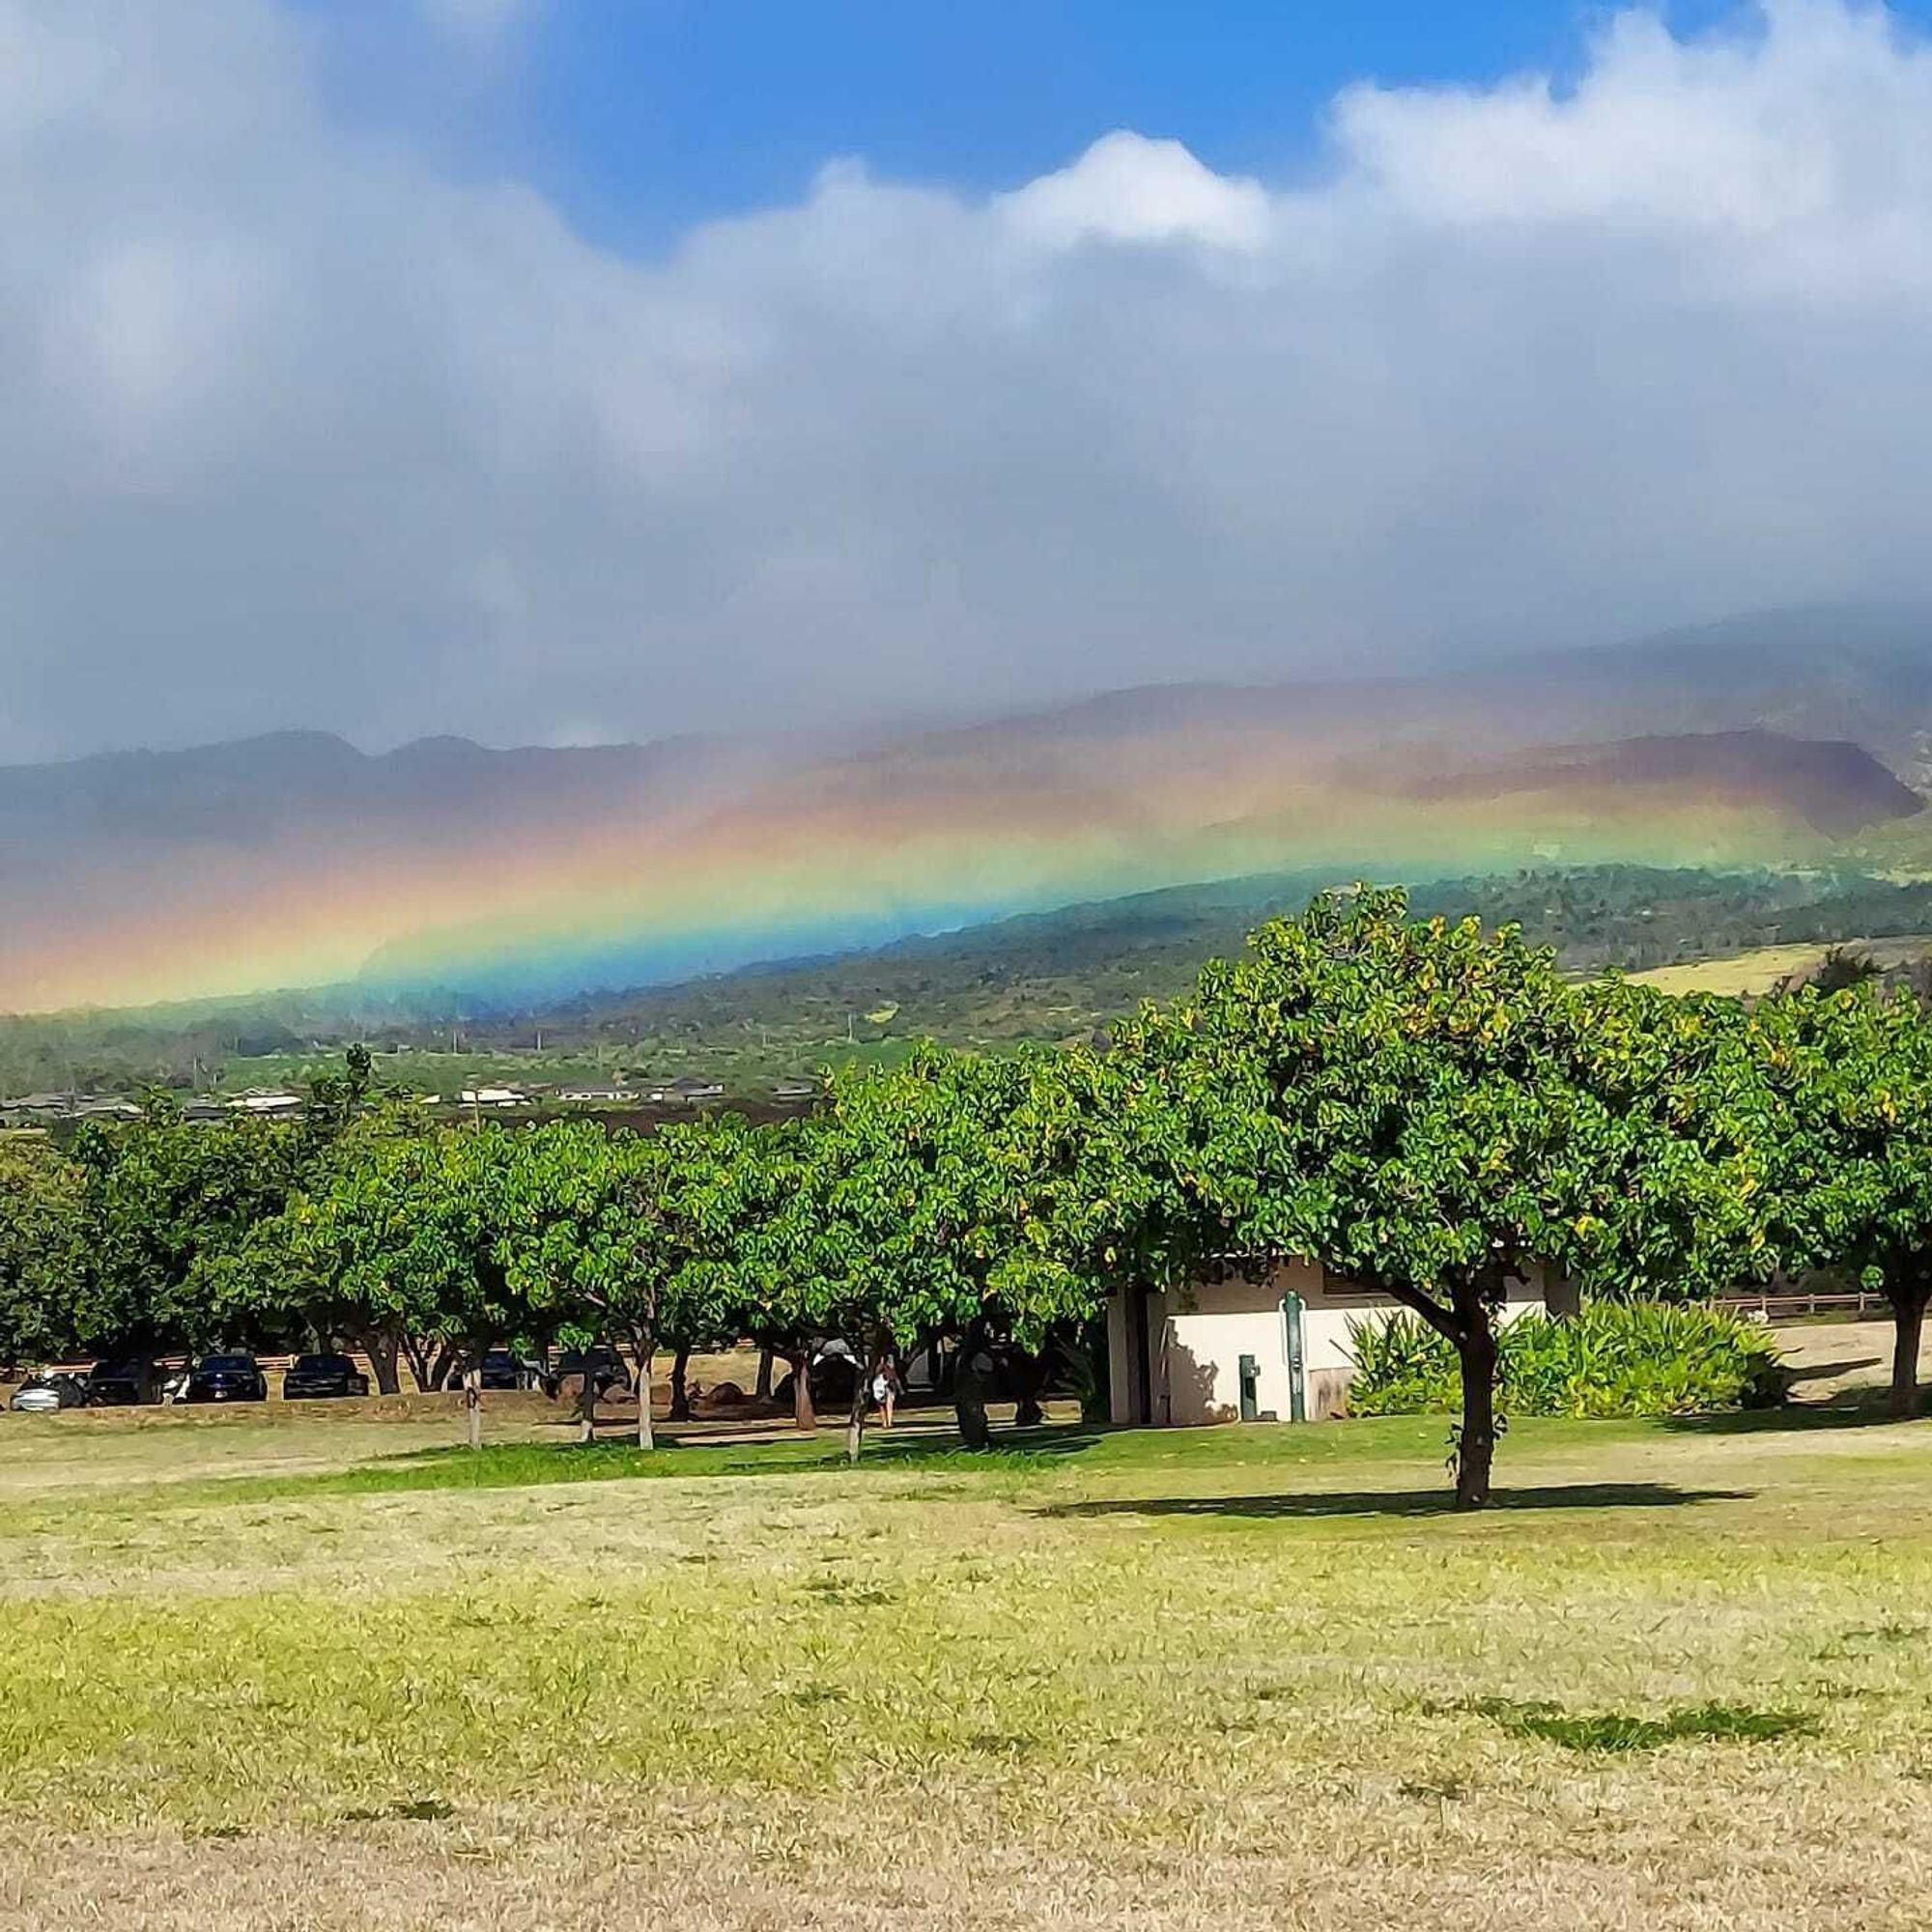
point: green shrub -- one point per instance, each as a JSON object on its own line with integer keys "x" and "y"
{"x": 1615, "y": 1358}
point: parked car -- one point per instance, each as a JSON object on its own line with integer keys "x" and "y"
{"x": 603, "y": 1362}
{"x": 503, "y": 1369}
{"x": 227, "y": 1379}
{"x": 43, "y": 1394}
{"x": 311, "y": 1378}
{"x": 123, "y": 1383}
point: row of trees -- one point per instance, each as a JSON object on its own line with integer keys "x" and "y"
{"x": 1424, "y": 1108}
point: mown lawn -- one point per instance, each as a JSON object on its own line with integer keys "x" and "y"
{"x": 302, "y": 1675}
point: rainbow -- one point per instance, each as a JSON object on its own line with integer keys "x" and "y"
{"x": 923, "y": 838}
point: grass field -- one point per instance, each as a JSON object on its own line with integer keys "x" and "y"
{"x": 306, "y": 1672}
{"x": 1762, "y": 967}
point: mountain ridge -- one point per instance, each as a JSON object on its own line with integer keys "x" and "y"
{"x": 297, "y": 858}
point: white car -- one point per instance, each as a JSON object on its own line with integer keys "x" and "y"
{"x": 43, "y": 1394}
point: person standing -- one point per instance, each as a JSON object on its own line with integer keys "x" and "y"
{"x": 885, "y": 1390}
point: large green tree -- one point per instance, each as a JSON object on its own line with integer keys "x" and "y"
{"x": 909, "y": 1217}
{"x": 170, "y": 1205}
{"x": 620, "y": 1232}
{"x": 1847, "y": 1137}
{"x": 1423, "y": 1108}
{"x": 43, "y": 1249}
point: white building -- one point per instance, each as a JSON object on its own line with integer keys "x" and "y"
{"x": 266, "y": 1104}
{"x": 494, "y": 1097}
{"x": 1241, "y": 1350}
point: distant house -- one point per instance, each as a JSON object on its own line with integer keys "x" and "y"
{"x": 594, "y": 1095}
{"x": 494, "y": 1097}
{"x": 690, "y": 1092}
{"x": 795, "y": 1090}
{"x": 1249, "y": 1350}
{"x": 268, "y": 1105}
{"x": 55, "y": 1104}
{"x": 113, "y": 1108}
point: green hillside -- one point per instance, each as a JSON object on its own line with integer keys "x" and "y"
{"x": 1046, "y": 977}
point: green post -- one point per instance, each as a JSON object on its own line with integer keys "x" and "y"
{"x": 1251, "y": 1375}
{"x": 1298, "y": 1380}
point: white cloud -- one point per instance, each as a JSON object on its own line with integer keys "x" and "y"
{"x": 1124, "y": 188}
{"x": 302, "y": 431}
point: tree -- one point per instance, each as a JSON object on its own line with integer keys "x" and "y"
{"x": 168, "y": 1209}
{"x": 41, "y": 1254}
{"x": 1426, "y": 1109}
{"x": 757, "y": 1242}
{"x": 1847, "y": 1132}
{"x": 336, "y": 1259}
{"x": 403, "y": 1238}
{"x": 618, "y": 1231}
{"x": 906, "y": 1215}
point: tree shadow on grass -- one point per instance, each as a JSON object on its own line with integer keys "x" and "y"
{"x": 946, "y": 1451}
{"x": 1851, "y": 1408}
{"x": 1319, "y": 1503}
{"x": 1819, "y": 1372}
{"x": 615, "y": 1458}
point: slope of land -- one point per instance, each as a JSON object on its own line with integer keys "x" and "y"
{"x": 527, "y": 875}
{"x": 1044, "y": 977}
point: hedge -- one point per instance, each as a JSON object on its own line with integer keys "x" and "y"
{"x": 1615, "y": 1358}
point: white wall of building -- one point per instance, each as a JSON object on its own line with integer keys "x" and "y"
{"x": 1196, "y": 1338}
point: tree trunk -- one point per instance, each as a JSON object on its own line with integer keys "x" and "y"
{"x": 1908, "y": 1325}
{"x": 970, "y": 1380}
{"x": 417, "y": 1353}
{"x": 586, "y": 1407}
{"x": 472, "y": 1404}
{"x": 382, "y": 1350}
{"x": 764, "y": 1388}
{"x": 855, "y": 1422}
{"x": 803, "y": 1413}
{"x": 680, "y": 1395}
{"x": 1476, "y": 1445}
{"x": 644, "y": 1345}
{"x": 1030, "y": 1373}
{"x": 862, "y": 1400}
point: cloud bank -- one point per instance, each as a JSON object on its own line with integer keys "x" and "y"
{"x": 302, "y": 429}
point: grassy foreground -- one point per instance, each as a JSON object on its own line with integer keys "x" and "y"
{"x": 277, "y": 1674}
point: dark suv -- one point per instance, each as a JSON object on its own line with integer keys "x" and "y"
{"x": 123, "y": 1383}
{"x": 311, "y": 1378}
{"x": 227, "y": 1379}
{"x": 602, "y": 1363}
{"x": 503, "y": 1369}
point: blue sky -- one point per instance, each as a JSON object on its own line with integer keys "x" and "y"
{"x": 641, "y": 117}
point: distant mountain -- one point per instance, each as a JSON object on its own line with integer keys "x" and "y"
{"x": 511, "y": 875}
{"x": 1834, "y": 788}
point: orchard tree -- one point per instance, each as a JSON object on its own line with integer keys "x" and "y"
{"x": 604, "y": 1231}
{"x": 1425, "y": 1109}
{"x": 909, "y": 1211}
{"x": 168, "y": 1208}
{"x": 42, "y": 1277}
{"x": 405, "y": 1241}
{"x": 1848, "y": 1140}
{"x": 759, "y": 1244}
{"x": 338, "y": 1258}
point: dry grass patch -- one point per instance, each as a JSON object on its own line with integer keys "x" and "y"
{"x": 1167, "y": 1680}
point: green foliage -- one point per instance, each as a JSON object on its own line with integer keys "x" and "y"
{"x": 1613, "y": 1359}
{"x": 1047, "y": 978}
{"x": 914, "y": 1208}
{"x": 42, "y": 1253}
{"x": 1610, "y": 1731}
